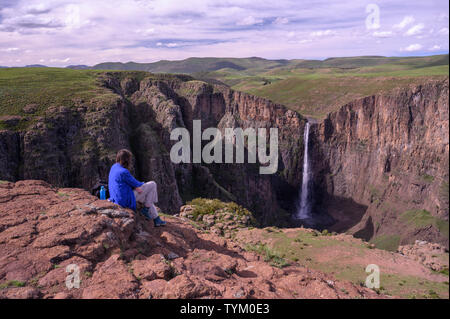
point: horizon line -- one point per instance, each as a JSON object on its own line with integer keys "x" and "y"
{"x": 224, "y": 57}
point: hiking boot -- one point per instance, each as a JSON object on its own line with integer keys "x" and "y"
{"x": 144, "y": 211}
{"x": 159, "y": 222}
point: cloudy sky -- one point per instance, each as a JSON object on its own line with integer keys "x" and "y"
{"x": 64, "y": 32}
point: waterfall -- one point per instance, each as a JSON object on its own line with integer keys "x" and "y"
{"x": 304, "y": 208}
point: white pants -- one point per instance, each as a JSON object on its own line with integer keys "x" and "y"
{"x": 148, "y": 197}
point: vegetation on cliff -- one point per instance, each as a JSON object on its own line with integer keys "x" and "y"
{"x": 119, "y": 254}
{"x": 64, "y": 126}
{"x": 311, "y": 87}
{"x": 27, "y": 93}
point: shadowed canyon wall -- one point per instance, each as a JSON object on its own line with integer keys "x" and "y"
{"x": 77, "y": 146}
{"x": 382, "y": 164}
{"x": 374, "y": 161}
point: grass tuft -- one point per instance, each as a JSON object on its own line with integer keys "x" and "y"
{"x": 269, "y": 255}
{"x": 12, "y": 283}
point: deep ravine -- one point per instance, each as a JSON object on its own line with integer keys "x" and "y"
{"x": 374, "y": 160}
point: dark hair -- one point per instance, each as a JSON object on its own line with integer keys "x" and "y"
{"x": 124, "y": 157}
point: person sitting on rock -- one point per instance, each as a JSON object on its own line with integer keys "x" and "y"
{"x": 125, "y": 190}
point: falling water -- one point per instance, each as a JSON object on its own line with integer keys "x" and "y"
{"x": 304, "y": 208}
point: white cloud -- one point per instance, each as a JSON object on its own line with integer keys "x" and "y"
{"x": 291, "y": 34}
{"x": 167, "y": 45}
{"x": 250, "y": 20}
{"x": 382, "y": 34}
{"x": 323, "y": 33}
{"x": 151, "y": 30}
{"x": 435, "y": 48}
{"x": 73, "y": 17}
{"x": 10, "y": 49}
{"x": 443, "y": 31}
{"x": 417, "y": 29}
{"x": 146, "y": 32}
{"x": 60, "y": 60}
{"x": 37, "y": 8}
{"x": 406, "y": 21}
{"x": 281, "y": 20}
{"x": 413, "y": 47}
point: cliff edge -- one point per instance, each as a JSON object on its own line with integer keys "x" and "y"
{"x": 201, "y": 253}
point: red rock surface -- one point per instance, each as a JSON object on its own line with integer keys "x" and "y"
{"x": 385, "y": 155}
{"x": 430, "y": 255}
{"x": 121, "y": 255}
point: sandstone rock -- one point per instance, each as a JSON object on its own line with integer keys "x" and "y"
{"x": 62, "y": 295}
{"x": 113, "y": 274}
{"x": 58, "y": 275}
{"x": 75, "y": 147}
{"x": 181, "y": 287}
{"x": 184, "y": 287}
{"x": 30, "y": 108}
{"x": 130, "y": 254}
{"x": 152, "y": 268}
{"x": 114, "y": 263}
{"x": 153, "y": 289}
{"x": 20, "y": 293}
{"x": 433, "y": 256}
{"x": 379, "y": 160}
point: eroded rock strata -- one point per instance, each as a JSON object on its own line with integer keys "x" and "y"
{"x": 76, "y": 146}
{"x": 382, "y": 164}
{"x": 121, "y": 255}
{"x": 375, "y": 160}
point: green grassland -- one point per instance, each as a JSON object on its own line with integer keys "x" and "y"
{"x": 308, "y": 249}
{"x": 193, "y": 65}
{"x": 418, "y": 219}
{"x": 55, "y": 87}
{"x": 311, "y": 87}
{"x": 20, "y": 87}
{"x": 315, "y": 88}
{"x": 411, "y": 221}
{"x": 387, "y": 242}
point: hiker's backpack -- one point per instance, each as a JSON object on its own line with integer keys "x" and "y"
{"x": 96, "y": 189}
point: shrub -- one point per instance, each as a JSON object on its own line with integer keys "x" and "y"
{"x": 12, "y": 283}
{"x": 269, "y": 255}
{"x": 204, "y": 206}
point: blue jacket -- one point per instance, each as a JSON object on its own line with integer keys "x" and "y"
{"x": 121, "y": 184}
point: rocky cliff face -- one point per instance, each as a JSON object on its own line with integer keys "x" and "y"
{"x": 76, "y": 146}
{"x": 118, "y": 254}
{"x": 382, "y": 164}
{"x": 208, "y": 250}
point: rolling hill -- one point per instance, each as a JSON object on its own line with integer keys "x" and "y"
{"x": 312, "y": 87}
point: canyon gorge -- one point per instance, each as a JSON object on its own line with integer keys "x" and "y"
{"x": 378, "y": 165}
